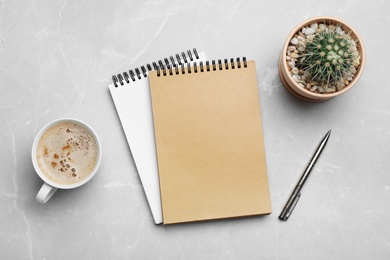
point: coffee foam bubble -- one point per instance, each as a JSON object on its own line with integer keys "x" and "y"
{"x": 67, "y": 153}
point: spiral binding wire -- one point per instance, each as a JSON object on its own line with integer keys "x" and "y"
{"x": 137, "y": 73}
{"x": 215, "y": 65}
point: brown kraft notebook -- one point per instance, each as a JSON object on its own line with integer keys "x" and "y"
{"x": 209, "y": 141}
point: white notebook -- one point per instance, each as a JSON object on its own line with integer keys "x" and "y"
{"x": 131, "y": 95}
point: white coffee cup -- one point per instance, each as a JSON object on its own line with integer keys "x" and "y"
{"x": 49, "y": 186}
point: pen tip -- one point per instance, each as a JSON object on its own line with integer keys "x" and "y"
{"x": 328, "y": 134}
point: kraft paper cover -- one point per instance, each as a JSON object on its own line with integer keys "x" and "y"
{"x": 209, "y": 141}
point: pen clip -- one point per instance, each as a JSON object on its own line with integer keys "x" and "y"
{"x": 293, "y": 204}
{"x": 290, "y": 207}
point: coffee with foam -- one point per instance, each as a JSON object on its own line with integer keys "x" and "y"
{"x": 67, "y": 153}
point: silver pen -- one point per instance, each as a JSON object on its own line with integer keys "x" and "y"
{"x": 296, "y": 194}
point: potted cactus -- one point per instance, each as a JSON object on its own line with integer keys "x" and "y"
{"x": 323, "y": 57}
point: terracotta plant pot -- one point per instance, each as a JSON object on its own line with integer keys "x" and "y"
{"x": 303, "y": 93}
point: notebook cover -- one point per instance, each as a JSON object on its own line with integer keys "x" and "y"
{"x": 134, "y": 108}
{"x": 209, "y": 141}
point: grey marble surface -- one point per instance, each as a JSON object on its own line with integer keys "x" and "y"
{"x": 56, "y": 60}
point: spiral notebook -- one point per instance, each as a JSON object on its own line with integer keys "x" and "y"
{"x": 131, "y": 96}
{"x": 209, "y": 141}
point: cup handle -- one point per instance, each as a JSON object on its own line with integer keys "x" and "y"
{"x": 45, "y": 193}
